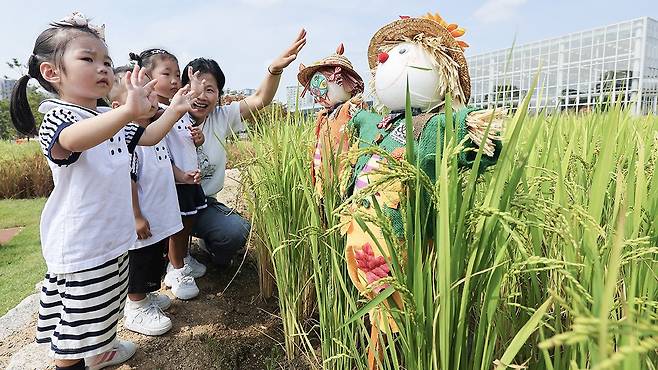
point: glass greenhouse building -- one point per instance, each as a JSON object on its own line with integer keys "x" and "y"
{"x": 579, "y": 71}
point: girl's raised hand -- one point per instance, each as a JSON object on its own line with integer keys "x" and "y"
{"x": 140, "y": 95}
{"x": 197, "y": 85}
{"x": 182, "y": 101}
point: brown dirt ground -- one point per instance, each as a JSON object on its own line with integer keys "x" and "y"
{"x": 233, "y": 330}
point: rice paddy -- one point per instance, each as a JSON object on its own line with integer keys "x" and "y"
{"x": 547, "y": 260}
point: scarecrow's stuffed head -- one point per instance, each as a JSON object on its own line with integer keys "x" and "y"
{"x": 331, "y": 80}
{"x": 425, "y": 51}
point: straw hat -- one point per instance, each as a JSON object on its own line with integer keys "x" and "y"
{"x": 430, "y": 25}
{"x": 335, "y": 60}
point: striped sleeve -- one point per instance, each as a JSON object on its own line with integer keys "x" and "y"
{"x": 133, "y": 133}
{"x": 134, "y": 166}
{"x": 52, "y": 125}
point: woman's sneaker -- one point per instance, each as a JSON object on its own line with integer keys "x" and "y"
{"x": 161, "y": 300}
{"x": 122, "y": 352}
{"x": 147, "y": 319}
{"x": 182, "y": 283}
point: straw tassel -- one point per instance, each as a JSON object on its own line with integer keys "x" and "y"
{"x": 477, "y": 123}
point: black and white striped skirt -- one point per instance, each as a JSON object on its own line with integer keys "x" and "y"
{"x": 78, "y": 312}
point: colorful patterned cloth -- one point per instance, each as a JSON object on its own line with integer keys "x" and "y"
{"x": 332, "y": 139}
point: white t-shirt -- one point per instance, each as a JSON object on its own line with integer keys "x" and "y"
{"x": 181, "y": 146}
{"x": 222, "y": 122}
{"x": 88, "y": 218}
{"x": 151, "y": 169}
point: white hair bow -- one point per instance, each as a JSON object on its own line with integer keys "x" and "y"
{"x": 77, "y": 19}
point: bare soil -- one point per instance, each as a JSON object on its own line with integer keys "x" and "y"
{"x": 8, "y": 234}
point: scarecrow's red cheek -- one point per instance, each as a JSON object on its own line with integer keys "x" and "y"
{"x": 382, "y": 57}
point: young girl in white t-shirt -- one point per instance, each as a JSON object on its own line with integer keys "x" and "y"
{"x": 182, "y": 141}
{"x": 86, "y": 224}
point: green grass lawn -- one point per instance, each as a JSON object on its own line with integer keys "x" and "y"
{"x": 11, "y": 150}
{"x": 21, "y": 262}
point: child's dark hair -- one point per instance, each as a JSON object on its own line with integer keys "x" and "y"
{"x": 148, "y": 58}
{"x": 204, "y": 65}
{"x": 120, "y": 71}
{"x": 49, "y": 47}
{"x": 117, "y": 87}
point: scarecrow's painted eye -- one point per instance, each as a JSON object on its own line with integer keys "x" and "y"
{"x": 319, "y": 85}
{"x": 402, "y": 50}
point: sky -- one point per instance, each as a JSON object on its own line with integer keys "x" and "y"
{"x": 244, "y": 36}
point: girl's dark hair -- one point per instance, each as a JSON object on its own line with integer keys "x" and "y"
{"x": 120, "y": 71}
{"x": 204, "y": 65}
{"x": 117, "y": 87}
{"x": 148, "y": 58}
{"x": 49, "y": 47}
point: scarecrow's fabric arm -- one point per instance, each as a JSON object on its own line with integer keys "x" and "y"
{"x": 470, "y": 123}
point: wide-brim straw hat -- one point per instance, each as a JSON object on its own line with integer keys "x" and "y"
{"x": 334, "y": 60}
{"x": 409, "y": 27}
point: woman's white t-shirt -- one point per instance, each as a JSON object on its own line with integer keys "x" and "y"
{"x": 156, "y": 192}
{"x": 88, "y": 218}
{"x": 225, "y": 120}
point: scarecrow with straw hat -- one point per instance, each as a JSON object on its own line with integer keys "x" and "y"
{"x": 336, "y": 86}
{"x": 423, "y": 56}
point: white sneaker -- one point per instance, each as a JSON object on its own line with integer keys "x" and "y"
{"x": 198, "y": 268}
{"x": 147, "y": 319}
{"x": 182, "y": 283}
{"x": 161, "y": 300}
{"x": 122, "y": 352}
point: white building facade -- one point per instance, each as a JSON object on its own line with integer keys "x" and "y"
{"x": 5, "y": 88}
{"x": 295, "y": 102}
{"x": 579, "y": 71}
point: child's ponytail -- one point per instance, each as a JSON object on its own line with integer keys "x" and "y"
{"x": 135, "y": 58}
{"x": 19, "y": 108}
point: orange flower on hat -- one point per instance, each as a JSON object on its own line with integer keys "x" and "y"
{"x": 453, "y": 28}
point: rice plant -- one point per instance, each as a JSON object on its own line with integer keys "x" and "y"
{"x": 281, "y": 217}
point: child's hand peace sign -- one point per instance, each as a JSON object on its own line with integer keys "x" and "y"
{"x": 182, "y": 101}
{"x": 140, "y": 94}
{"x": 197, "y": 85}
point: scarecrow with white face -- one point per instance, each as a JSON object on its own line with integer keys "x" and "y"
{"x": 424, "y": 54}
{"x": 337, "y": 87}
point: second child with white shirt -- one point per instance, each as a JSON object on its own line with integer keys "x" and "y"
{"x": 182, "y": 142}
